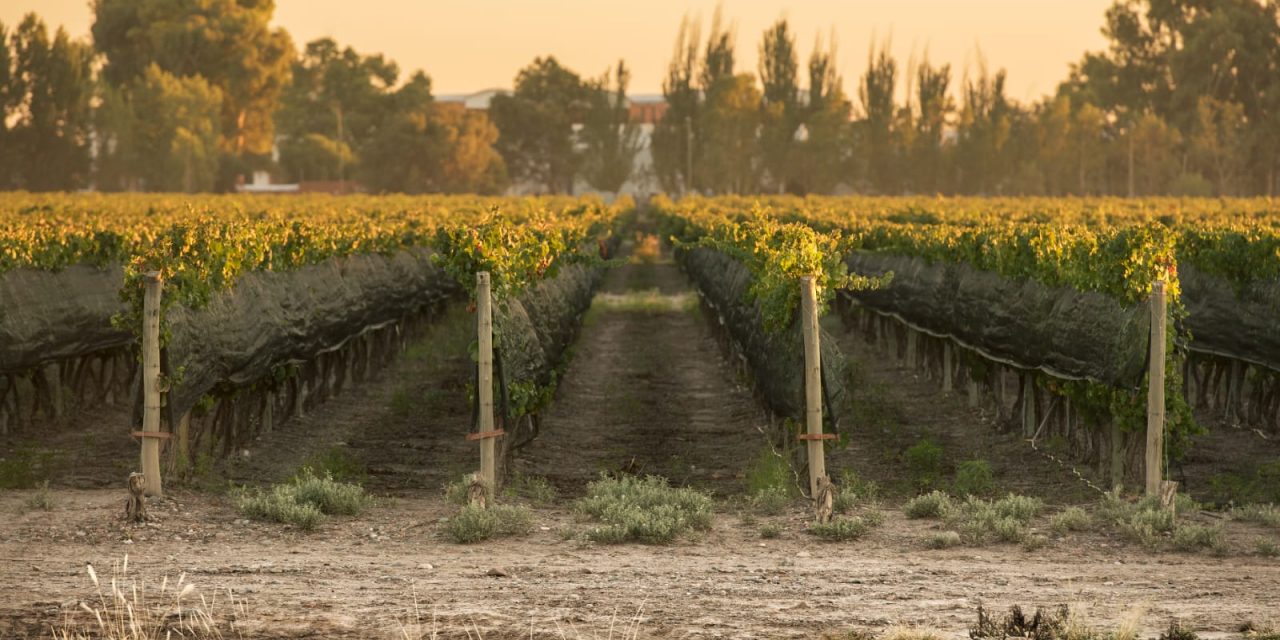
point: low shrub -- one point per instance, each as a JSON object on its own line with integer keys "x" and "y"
{"x": 1022, "y": 508}
{"x": 981, "y": 521}
{"x": 338, "y": 463}
{"x": 1197, "y": 537}
{"x": 535, "y": 489}
{"x": 769, "y": 472}
{"x": 330, "y": 496}
{"x": 41, "y": 500}
{"x": 769, "y": 501}
{"x": 1266, "y": 547}
{"x": 646, "y": 510}
{"x": 770, "y": 531}
{"x": 924, "y": 462}
{"x": 455, "y": 492}
{"x": 852, "y": 490}
{"x": 303, "y": 501}
{"x": 1034, "y": 541}
{"x": 1071, "y": 519}
{"x": 26, "y": 468}
{"x": 930, "y": 505}
{"x": 472, "y": 524}
{"x": 279, "y": 504}
{"x": 1150, "y": 524}
{"x": 974, "y": 477}
{"x": 1263, "y": 514}
{"x": 843, "y": 528}
{"x": 1147, "y": 526}
{"x": 942, "y": 540}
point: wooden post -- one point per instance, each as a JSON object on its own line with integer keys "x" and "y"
{"x": 812, "y": 382}
{"x": 1116, "y": 455}
{"x": 1155, "y": 391}
{"x": 973, "y": 392}
{"x": 484, "y": 315}
{"x": 53, "y": 374}
{"x": 184, "y": 441}
{"x": 1028, "y": 405}
{"x": 269, "y": 412}
{"x": 911, "y": 348}
{"x": 947, "y": 357}
{"x": 151, "y": 384}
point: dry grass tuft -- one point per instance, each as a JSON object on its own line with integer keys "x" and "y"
{"x": 125, "y": 608}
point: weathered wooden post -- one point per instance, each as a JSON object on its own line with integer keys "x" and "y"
{"x": 486, "y": 435}
{"x": 947, "y": 365}
{"x": 183, "y": 448}
{"x": 812, "y": 383}
{"x": 150, "y": 433}
{"x": 1155, "y": 391}
{"x": 1117, "y": 455}
{"x": 911, "y": 348}
{"x": 1028, "y": 405}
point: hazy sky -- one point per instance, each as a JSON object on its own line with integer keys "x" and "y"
{"x": 468, "y": 45}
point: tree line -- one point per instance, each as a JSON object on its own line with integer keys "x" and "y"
{"x": 170, "y": 96}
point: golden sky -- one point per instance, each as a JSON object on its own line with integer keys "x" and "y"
{"x": 468, "y": 45}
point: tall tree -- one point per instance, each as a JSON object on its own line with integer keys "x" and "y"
{"x": 780, "y": 110}
{"x": 427, "y": 147}
{"x": 876, "y": 93}
{"x": 1217, "y": 140}
{"x": 610, "y": 139}
{"x": 934, "y": 108}
{"x": 673, "y": 140}
{"x": 1156, "y": 159}
{"x": 229, "y": 43}
{"x": 535, "y": 124}
{"x": 983, "y": 133}
{"x": 162, "y": 134}
{"x": 9, "y": 92}
{"x": 335, "y": 102}
{"x": 1164, "y": 56}
{"x": 45, "y": 101}
{"x": 731, "y": 122}
{"x": 823, "y": 144}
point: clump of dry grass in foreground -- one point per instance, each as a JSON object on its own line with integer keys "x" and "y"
{"x": 127, "y": 608}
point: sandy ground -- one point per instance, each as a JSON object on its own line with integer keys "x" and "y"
{"x": 647, "y": 391}
{"x": 360, "y": 577}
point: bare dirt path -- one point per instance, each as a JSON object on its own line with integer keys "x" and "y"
{"x": 647, "y": 392}
{"x": 406, "y": 429}
{"x": 896, "y": 407}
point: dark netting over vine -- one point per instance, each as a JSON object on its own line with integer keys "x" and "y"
{"x": 1061, "y": 331}
{"x": 46, "y": 316}
{"x": 533, "y": 330}
{"x": 1241, "y": 322}
{"x": 274, "y": 318}
{"x": 776, "y": 359}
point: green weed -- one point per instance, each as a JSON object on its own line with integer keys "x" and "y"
{"x": 303, "y": 501}
{"x": 930, "y": 505}
{"x": 41, "y": 500}
{"x": 924, "y": 463}
{"x": 472, "y": 524}
{"x": 844, "y": 528}
{"x": 974, "y": 477}
{"x": 1071, "y": 519}
{"x": 646, "y": 510}
{"x": 942, "y": 540}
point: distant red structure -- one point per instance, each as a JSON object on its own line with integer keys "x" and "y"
{"x": 647, "y": 112}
